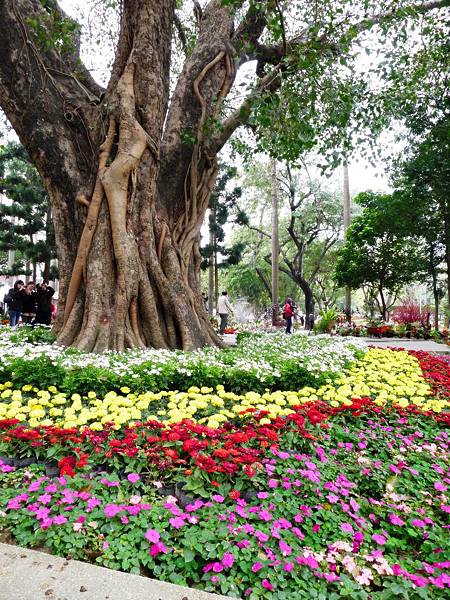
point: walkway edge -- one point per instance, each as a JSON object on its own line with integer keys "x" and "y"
{"x": 31, "y": 575}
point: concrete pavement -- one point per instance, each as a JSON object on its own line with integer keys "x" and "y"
{"x": 30, "y": 575}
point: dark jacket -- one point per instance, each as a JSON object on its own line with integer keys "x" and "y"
{"x": 13, "y": 300}
{"x": 44, "y": 299}
{"x": 29, "y": 302}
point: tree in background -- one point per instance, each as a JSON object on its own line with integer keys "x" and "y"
{"x": 310, "y": 225}
{"x": 129, "y": 167}
{"x": 423, "y": 183}
{"x": 221, "y": 202}
{"x": 27, "y": 217}
{"x": 378, "y": 253}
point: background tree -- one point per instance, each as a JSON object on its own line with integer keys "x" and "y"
{"x": 378, "y": 253}
{"x": 129, "y": 168}
{"x": 27, "y": 217}
{"x": 221, "y": 202}
{"x": 423, "y": 182}
{"x": 310, "y": 225}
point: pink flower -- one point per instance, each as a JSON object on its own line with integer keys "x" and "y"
{"x": 176, "y": 522}
{"x": 288, "y": 567}
{"x": 272, "y": 483}
{"x": 418, "y": 523}
{"x": 217, "y": 498}
{"x": 445, "y": 508}
{"x": 396, "y": 520}
{"x": 261, "y": 536}
{"x": 217, "y": 567}
{"x": 92, "y": 503}
{"x": 45, "y": 498}
{"x": 332, "y": 498}
{"x": 379, "y": 539}
{"x": 316, "y": 528}
{"x": 59, "y": 520}
{"x": 440, "y": 487}
{"x": 105, "y": 545}
{"x": 157, "y": 549}
{"x": 265, "y": 515}
{"x": 285, "y": 548}
{"x": 152, "y": 536}
{"x": 133, "y": 477}
{"x": 52, "y": 488}
{"x": 266, "y": 584}
{"x": 111, "y": 510}
{"x": 228, "y": 559}
{"x": 214, "y": 579}
{"x": 347, "y": 528}
{"x": 257, "y": 566}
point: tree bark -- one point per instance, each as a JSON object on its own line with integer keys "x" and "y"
{"x": 128, "y": 198}
{"x": 275, "y": 245}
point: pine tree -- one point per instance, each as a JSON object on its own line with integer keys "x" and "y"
{"x": 25, "y": 216}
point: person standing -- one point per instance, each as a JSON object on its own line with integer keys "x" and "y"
{"x": 44, "y": 294}
{"x": 224, "y": 308}
{"x": 13, "y": 300}
{"x": 287, "y": 314}
{"x": 29, "y": 304}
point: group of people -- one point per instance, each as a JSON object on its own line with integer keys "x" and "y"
{"x": 30, "y": 303}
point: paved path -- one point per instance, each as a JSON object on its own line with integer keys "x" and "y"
{"x": 30, "y": 575}
{"x": 425, "y": 345}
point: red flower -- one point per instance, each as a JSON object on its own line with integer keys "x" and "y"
{"x": 235, "y": 494}
{"x": 66, "y": 466}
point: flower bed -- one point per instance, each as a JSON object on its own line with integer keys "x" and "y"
{"x": 339, "y": 487}
{"x": 260, "y": 362}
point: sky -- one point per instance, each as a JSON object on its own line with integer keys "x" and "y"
{"x": 362, "y": 174}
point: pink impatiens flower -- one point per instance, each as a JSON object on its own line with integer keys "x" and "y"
{"x": 257, "y": 566}
{"x": 379, "y": 539}
{"x": 228, "y": 559}
{"x": 133, "y": 477}
{"x": 396, "y": 520}
{"x": 111, "y": 510}
{"x": 152, "y": 536}
{"x": 267, "y": 585}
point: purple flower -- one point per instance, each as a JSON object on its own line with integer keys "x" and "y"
{"x": 133, "y": 477}
{"x": 152, "y": 536}
{"x": 285, "y": 548}
{"x": 111, "y": 510}
{"x": 59, "y": 520}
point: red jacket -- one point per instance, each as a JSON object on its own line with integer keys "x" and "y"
{"x": 287, "y": 310}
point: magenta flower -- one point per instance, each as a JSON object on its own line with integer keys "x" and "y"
{"x": 261, "y": 536}
{"x": 217, "y": 567}
{"x": 257, "y": 566}
{"x": 214, "y": 579}
{"x": 273, "y": 483}
{"x": 265, "y": 515}
{"x": 177, "y": 522}
{"x": 440, "y": 487}
{"x": 396, "y": 520}
{"x": 158, "y": 548}
{"x": 228, "y": 560}
{"x": 379, "y": 539}
{"x": 133, "y": 477}
{"x": 152, "y": 536}
{"x": 266, "y": 584}
{"x": 92, "y": 503}
{"x": 288, "y": 567}
{"x": 285, "y": 548}
{"x": 111, "y": 510}
{"x": 59, "y": 520}
{"x": 217, "y": 498}
{"x": 52, "y": 488}
{"x": 45, "y": 498}
{"x": 418, "y": 523}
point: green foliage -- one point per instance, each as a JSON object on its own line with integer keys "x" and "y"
{"x": 28, "y": 213}
{"x": 327, "y": 320}
{"x": 53, "y": 30}
{"x": 379, "y": 251}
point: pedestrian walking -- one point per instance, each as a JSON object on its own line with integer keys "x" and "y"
{"x": 224, "y": 308}
{"x": 287, "y": 314}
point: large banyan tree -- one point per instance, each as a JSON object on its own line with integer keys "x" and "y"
{"x": 129, "y": 167}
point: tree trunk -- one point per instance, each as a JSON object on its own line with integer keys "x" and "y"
{"x": 275, "y": 245}
{"x": 128, "y": 194}
{"x": 309, "y": 302}
{"x": 348, "y": 295}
